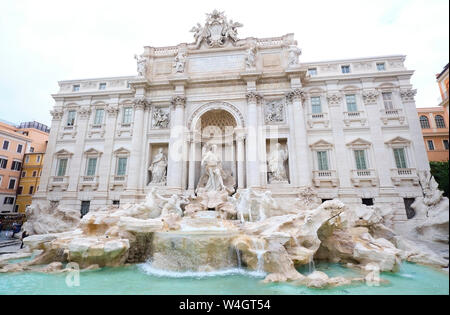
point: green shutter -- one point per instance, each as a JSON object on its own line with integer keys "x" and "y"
{"x": 62, "y": 166}
{"x": 92, "y": 166}
{"x": 360, "y": 159}
{"x": 400, "y": 159}
{"x": 322, "y": 160}
{"x": 122, "y": 166}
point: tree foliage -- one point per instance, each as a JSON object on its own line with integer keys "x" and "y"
{"x": 440, "y": 172}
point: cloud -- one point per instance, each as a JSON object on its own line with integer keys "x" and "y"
{"x": 46, "y": 41}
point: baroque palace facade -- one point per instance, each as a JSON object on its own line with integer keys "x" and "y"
{"x": 347, "y": 128}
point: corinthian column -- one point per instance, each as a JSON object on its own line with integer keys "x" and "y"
{"x": 300, "y": 145}
{"x": 135, "y": 169}
{"x": 176, "y": 143}
{"x": 253, "y": 178}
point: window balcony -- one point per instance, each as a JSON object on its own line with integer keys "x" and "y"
{"x": 326, "y": 176}
{"x": 125, "y": 128}
{"x": 354, "y": 117}
{"x": 88, "y": 181}
{"x": 404, "y": 174}
{"x": 358, "y": 176}
{"x": 318, "y": 119}
{"x": 118, "y": 181}
{"x": 59, "y": 181}
{"x": 392, "y": 114}
{"x": 96, "y": 129}
{"x": 68, "y": 130}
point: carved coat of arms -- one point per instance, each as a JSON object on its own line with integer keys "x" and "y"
{"x": 217, "y": 30}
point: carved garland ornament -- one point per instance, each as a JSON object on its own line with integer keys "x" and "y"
{"x": 334, "y": 99}
{"x": 370, "y": 97}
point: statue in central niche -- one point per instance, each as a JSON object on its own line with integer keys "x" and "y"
{"x": 214, "y": 178}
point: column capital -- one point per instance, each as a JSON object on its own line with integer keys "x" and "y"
{"x": 370, "y": 97}
{"x": 141, "y": 103}
{"x": 84, "y": 112}
{"x": 253, "y": 97}
{"x": 295, "y": 95}
{"x": 407, "y": 95}
{"x": 56, "y": 114}
{"x": 112, "y": 110}
{"x": 178, "y": 100}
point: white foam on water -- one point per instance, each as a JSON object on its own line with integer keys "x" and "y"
{"x": 148, "y": 269}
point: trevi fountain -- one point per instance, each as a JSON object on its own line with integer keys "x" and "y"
{"x": 222, "y": 236}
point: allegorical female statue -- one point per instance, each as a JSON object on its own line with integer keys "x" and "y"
{"x": 276, "y": 159}
{"x": 159, "y": 168}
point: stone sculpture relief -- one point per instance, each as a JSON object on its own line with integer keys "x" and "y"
{"x": 161, "y": 118}
{"x": 141, "y": 65}
{"x": 214, "y": 174}
{"x": 217, "y": 30}
{"x": 250, "y": 59}
{"x": 274, "y": 111}
{"x": 158, "y": 168}
{"x": 275, "y": 161}
{"x": 294, "y": 53}
{"x": 179, "y": 62}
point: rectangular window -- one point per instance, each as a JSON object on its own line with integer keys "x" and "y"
{"x": 127, "y": 113}
{"x": 19, "y": 148}
{"x": 322, "y": 160}
{"x": 122, "y": 166}
{"x": 91, "y": 166}
{"x": 85, "y": 207}
{"x": 360, "y": 159}
{"x": 381, "y": 66}
{"x": 430, "y": 145}
{"x": 34, "y": 173}
{"x": 312, "y": 71}
{"x": 5, "y": 145}
{"x": 27, "y": 159}
{"x": 102, "y": 86}
{"x": 12, "y": 183}
{"x": 387, "y": 100}
{"x": 62, "y": 166}
{"x": 400, "y": 158}
{"x": 30, "y": 191}
{"x": 16, "y": 166}
{"x": 316, "y": 106}
{"x": 351, "y": 103}
{"x": 345, "y": 69}
{"x": 31, "y": 149}
{"x": 3, "y": 162}
{"x": 38, "y": 159}
{"x": 445, "y": 144}
{"x": 8, "y": 201}
{"x": 24, "y": 174}
{"x": 19, "y": 190}
{"x": 1, "y": 179}
{"x": 71, "y": 117}
{"x": 76, "y": 88}
{"x": 99, "y": 113}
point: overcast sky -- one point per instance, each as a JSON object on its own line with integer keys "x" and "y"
{"x": 45, "y": 41}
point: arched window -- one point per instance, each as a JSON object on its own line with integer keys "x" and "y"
{"x": 440, "y": 123}
{"x": 424, "y": 123}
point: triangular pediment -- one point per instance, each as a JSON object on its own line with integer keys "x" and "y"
{"x": 121, "y": 150}
{"x": 359, "y": 142}
{"x": 92, "y": 151}
{"x": 63, "y": 152}
{"x": 398, "y": 140}
{"x": 321, "y": 144}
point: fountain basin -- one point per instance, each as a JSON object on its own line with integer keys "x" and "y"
{"x": 201, "y": 250}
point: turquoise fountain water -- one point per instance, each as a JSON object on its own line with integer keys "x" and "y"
{"x": 142, "y": 279}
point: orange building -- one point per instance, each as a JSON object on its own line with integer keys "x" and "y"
{"x": 442, "y": 80}
{"x": 15, "y": 143}
{"x": 13, "y": 146}
{"x": 434, "y": 123}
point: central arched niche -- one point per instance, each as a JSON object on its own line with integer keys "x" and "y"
{"x": 216, "y": 126}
